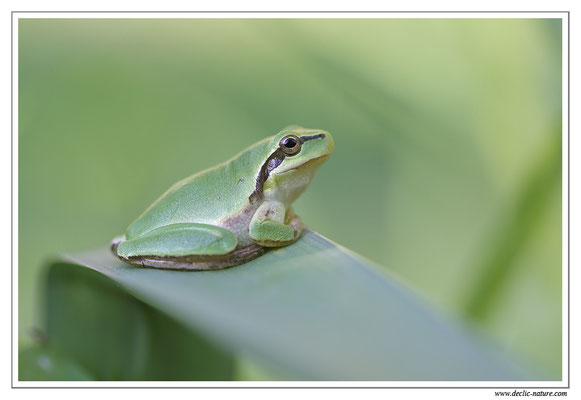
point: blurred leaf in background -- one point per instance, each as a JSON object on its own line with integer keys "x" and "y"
{"x": 447, "y": 164}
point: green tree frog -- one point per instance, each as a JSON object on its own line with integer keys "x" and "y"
{"x": 229, "y": 214}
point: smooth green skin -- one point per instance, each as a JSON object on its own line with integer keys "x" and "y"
{"x": 212, "y": 212}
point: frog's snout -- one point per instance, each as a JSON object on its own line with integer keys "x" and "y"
{"x": 330, "y": 142}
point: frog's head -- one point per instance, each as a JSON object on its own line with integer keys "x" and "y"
{"x": 297, "y": 154}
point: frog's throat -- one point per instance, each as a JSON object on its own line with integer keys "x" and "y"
{"x": 272, "y": 162}
{"x": 312, "y": 161}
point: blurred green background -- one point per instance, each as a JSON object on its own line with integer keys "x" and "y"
{"x": 447, "y": 163}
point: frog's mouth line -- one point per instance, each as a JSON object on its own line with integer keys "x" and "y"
{"x": 305, "y": 164}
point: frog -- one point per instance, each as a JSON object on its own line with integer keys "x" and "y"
{"x": 232, "y": 213}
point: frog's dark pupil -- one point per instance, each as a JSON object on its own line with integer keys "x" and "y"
{"x": 290, "y": 143}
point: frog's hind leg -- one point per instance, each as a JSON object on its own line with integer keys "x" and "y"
{"x": 186, "y": 246}
{"x": 115, "y": 243}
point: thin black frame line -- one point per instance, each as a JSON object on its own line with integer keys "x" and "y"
{"x": 568, "y": 13}
{"x": 291, "y": 12}
{"x": 284, "y": 387}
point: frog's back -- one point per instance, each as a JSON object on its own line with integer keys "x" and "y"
{"x": 206, "y": 197}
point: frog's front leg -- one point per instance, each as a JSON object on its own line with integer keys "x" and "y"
{"x": 273, "y": 226}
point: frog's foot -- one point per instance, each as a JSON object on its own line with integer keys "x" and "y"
{"x": 185, "y": 246}
{"x": 272, "y": 227}
{"x": 295, "y": 221}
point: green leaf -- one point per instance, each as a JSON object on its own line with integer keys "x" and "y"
{"x": 516, "y": 230}
{"x": 313, "y": 310}
{"x": 41, "y": 364}
{"x": 117, "y": 337}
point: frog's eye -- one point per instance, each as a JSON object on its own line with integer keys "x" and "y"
{"x": 290, "y": 145}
